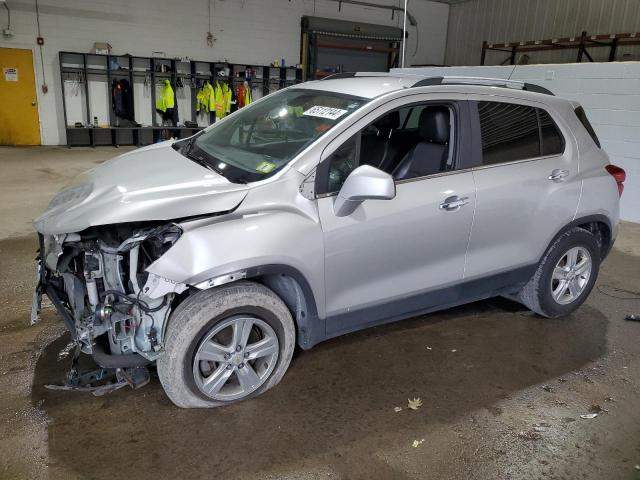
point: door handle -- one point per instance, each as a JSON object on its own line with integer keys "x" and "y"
{"x": 558, "y": 175}
{"x": 453, "y": 203}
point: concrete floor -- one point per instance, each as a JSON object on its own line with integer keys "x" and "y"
{"x": 503, "y": 390}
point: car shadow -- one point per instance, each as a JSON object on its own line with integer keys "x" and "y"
{"x": 332, "y": 397}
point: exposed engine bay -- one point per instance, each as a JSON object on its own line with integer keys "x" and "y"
{"x": 115, "y": 310}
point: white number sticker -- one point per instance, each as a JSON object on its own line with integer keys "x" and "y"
{"x": 325, "y": 112}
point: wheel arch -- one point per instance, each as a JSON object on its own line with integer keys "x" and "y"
{"x": 599, "y": 225}
{"x": 295, "y": 291}
{"x": 292, "y": 287}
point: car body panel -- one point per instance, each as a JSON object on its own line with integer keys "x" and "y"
{"x": 151, "y": 183}
{"x": 275, "y": 225}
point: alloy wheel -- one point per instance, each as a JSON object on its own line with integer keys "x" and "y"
{"x": 571, "y": 275}
{"x": 235, "y": 358}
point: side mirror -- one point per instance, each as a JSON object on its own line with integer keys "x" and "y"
{"x": 364, "y": 183}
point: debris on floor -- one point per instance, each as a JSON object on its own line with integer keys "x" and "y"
{"x": 632, "y": 318}
{"x": 429, "y": 348}
{"x": 547, "y": 388}
{"x": 397, "y": 409}
{"x": 589, "y": 416}
{"x": 454, "y": 350}
{"x": 414, "y": 404}
{"x": 417, "y": 443}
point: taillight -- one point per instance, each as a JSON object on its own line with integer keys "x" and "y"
{"x": 619, "y": 176}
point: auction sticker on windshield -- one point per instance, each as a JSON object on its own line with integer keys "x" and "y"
{"x": 325, "y": 112}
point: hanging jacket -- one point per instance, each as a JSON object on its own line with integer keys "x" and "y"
{"x": 203, "y": 98}
{"x": 243, "y": 95}
{"x": 165, "y": 100}
{"x": 122, "y": 99}
{"x": 221, "y": 100}
{"x": 201, "y": 102}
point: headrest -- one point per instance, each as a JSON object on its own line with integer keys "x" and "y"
{"x": 390, "y": 121}
{"x": 434, "y": 124}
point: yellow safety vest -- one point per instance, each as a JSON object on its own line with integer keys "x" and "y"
{"x": 165, "y": 100}
{"x": 221, "y": 100}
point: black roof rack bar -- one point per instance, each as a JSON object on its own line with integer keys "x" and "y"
{"x": 532, "y": 87}
{"x": 493, "y": 82}
{"x": 427, "y": 82}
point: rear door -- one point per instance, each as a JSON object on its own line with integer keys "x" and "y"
{"x": 527, "y": 183}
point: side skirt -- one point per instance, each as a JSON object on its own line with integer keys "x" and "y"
{"x": 426, "y": 302}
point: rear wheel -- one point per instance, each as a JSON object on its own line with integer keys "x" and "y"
{"x": 226, "y": 344}
{"x": 565, "y": 275}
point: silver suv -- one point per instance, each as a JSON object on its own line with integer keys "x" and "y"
{"x": 322, "y": 209}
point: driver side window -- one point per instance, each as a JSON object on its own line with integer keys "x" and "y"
{"x": 410, "y": 142}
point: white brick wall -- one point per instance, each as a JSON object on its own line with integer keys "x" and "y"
{"x": 251, "y": 31}
{"x": 609, "y": 93}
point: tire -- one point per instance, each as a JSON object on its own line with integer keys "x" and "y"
{"x": 199, "y": 316}
{"x": 538, "y": 293}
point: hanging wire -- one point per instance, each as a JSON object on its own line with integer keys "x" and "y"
{"x": 44, "y": 78}
{"x": 8, "y": 16}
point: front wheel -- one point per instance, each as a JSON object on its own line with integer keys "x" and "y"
{"x": 226, "y": 344}
{"x": 565, "y": 275}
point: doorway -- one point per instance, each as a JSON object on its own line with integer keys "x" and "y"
{"x": 19, "y": 113}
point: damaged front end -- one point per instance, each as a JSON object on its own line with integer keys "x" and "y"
{"x": 114, "y": 309}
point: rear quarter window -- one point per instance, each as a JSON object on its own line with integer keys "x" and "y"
{"x": 582, "y": 116}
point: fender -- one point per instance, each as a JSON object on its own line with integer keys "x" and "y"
{"x": 607, "y": 242}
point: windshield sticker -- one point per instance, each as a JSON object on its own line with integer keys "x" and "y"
{"x": 325, "y": 112}
{"x": 265, "y": 167}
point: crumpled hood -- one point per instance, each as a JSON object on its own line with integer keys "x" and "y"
{"x": 151, "y": 183}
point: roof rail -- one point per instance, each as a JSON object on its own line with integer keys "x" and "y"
{"x": 492, "y": 82}
{"x": 339, "y": 75}
{"x": 336, "y": 76}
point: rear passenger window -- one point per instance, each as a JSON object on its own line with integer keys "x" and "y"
{"x": 552, "y": 141}
{"x": 509, "y": 132}
{"x": 512, "y": 132}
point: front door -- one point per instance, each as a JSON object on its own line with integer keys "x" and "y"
{"x": 391, "y": 258}
{"x": 19, "y": 112}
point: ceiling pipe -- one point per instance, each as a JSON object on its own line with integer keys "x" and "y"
{"x": 393, "y": 8}
{"x": 404, "y": 32}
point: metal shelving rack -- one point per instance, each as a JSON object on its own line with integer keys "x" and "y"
{"x": 581, "y": 43}
{"x": 84, "y": 66}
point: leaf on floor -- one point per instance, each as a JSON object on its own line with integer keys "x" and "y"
{"x": 589, "y": 416}
{"x": 414, "y": 404}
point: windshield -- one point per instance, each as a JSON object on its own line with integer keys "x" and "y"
{"x": 262, "y": 138}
